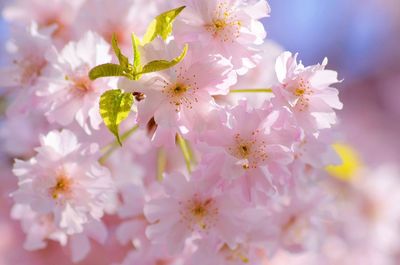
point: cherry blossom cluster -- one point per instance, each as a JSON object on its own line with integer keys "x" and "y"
{"x": 171, "y": 130}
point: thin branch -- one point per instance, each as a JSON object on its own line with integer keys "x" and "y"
{"x": 109, "y": 149}
{"x": 252, "y": 90}
{"x": 187, "y": 153}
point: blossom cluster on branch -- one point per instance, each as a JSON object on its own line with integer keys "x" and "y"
{"x": 172, "y": 126}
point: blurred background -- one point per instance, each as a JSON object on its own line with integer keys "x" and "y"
{"x": 361, "y": 38}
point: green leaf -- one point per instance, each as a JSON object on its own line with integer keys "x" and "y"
{"x": 123, "y": 60}
{"x": 159, "y": 65}
{"x": 105, "y": 70}
{"x": 115, "y": 107}
{"x": 161, "y": 25}
{"x": 137, "y": 64}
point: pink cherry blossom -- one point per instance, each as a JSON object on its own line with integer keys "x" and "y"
{"x": 40, "y": 228}
{"x": 57, "y": 13}
{"x": 310, "y": 155}
{"x": 193, "y": 208}
{"x": 26, "y": 51}
{"x": 307, "y": 91}
{"x": 116, "y": 17}
{"x": 251, "y": 150}
{"x": 66, "y": 91}
{"x": 228, "y": 28}
{"x": 181, "y": 97}
{"x": 64, "y": 179}
{"x": 297, "y": 222}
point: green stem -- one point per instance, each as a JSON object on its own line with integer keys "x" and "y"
{"x": 161, "y": 164}
{"x": 109, "y": 149}
{"x": 252, "y": 90}
{"x": 186, "y": 151}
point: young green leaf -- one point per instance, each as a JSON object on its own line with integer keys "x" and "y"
{"x": 137, "y": 64}
{"x": 115, "y": 107}
{"x": 123, "y": 60}
{"x": 159, "y": 65}
{"x": 105, "y": 70}
{"x": 161, "y": 25}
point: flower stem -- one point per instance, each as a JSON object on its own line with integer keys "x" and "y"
{"x": 186, "y": 151}
{"x": 252, "y": 90}
{"x": 109, "y": 149}
{"x": 161, "y": 164}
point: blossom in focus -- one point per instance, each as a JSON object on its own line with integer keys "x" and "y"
{"x": 250, "y": 148}
{"x": 307, "y": 91}
{"x": 180, "y": 98}
{"x": 229, "y": 28}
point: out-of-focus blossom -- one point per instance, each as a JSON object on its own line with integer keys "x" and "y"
{"x": 192, "y": 208}
{"x": 64, "y": 181}
{"x": 57, "y": 13}
{"x": 65, "y": 90}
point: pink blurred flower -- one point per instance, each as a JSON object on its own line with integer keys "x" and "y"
{"x": 122, "y": 17}
{"x": 64, "y": 179}
{"x": 19, "y": 134}
{"x": 27, "y": 50}
{"x": 193, "y": 208}
{"x": 58, "y": 13}
{"x": 210, "y": 253}
{"x": 40, "y": 228}
{"x": 65, "y": 89}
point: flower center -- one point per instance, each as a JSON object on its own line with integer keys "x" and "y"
{"x": 244, "y": 150}
{"x": 79, "y": 80}
{"x": 302, "y": 91}
{"x": 199, "y": 213}
{"x": 180, "y": 89}
{"x": 182, "y": 92}
{"x": 224, "y": 26}
{"x": 62, "y": 187}
{"x": 252, "y": 151}
{"x": 81, "y": 84}
{"x": 54, "y": 20}
{"x": 219, "y": 24}
{"x": 299, "y": 92}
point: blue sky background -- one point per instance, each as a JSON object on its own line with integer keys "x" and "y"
{"x": 348, "y": 32}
